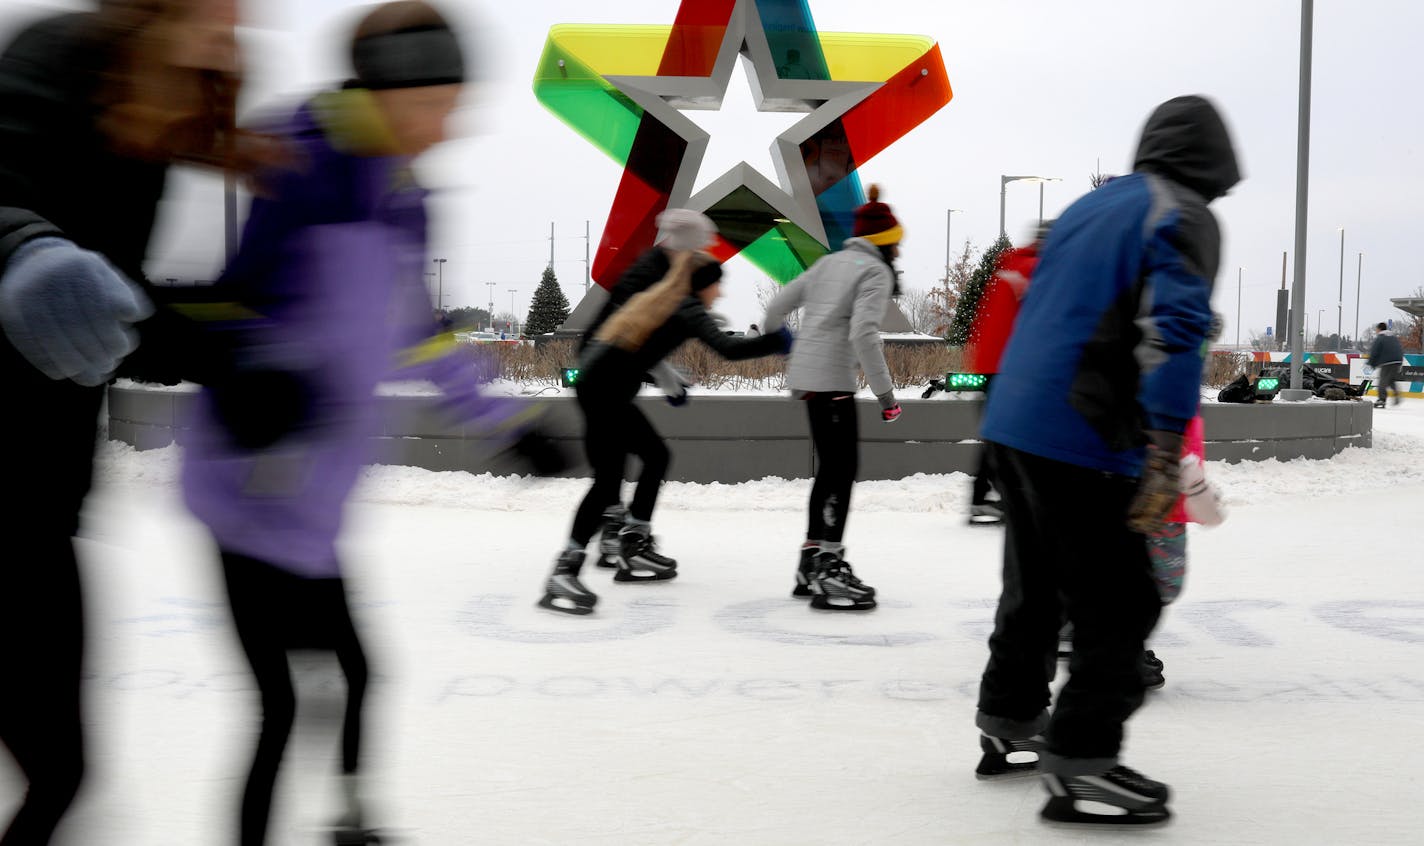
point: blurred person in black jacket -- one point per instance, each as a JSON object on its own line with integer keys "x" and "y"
{"x": 96, "y": 106}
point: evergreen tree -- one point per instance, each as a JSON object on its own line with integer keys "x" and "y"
{"x": 968, "y": 306}
{"x": 549, "y": 308}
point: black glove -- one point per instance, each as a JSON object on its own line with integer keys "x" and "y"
{"x": 259, "y": 407}
{"x": 1160, "y": 485}
{"x": 544, "y": 455}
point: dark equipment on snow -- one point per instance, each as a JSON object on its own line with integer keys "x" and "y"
{"x": 958, "y": 382}
{"x": 1263, "y": 388}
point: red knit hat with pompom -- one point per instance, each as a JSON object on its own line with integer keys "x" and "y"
{"x": 876, "y": 223}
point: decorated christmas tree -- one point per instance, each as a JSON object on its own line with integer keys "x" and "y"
{"x": 968, "y": 307}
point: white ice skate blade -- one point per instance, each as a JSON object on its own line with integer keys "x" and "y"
{"x": 564, "y": 605}
{"x": 833, "y": 607}
{"x": 1102, "y": 816}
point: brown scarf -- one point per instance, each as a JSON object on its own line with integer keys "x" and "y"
{"x": 629, "y": 327}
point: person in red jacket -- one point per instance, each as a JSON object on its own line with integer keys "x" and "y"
{"x": 993, "y": 323}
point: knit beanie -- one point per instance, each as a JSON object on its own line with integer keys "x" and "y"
{"x": 685, "y": 229}
{"x": 406, "y": 44}
{"x": 876, "y": 223}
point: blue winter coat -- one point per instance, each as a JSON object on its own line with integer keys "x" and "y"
{"x": 1109, "y": 341}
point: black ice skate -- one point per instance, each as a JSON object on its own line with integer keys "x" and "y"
{"x": 834, "y": 586}
{"x": 1006, "y": 758}
{"x": 563, "y": 591}
{"x": 639, "y": 559}
{"x": 1120, "y": 796}
{"x": 1150, "y": 669}
{"x": 805, "y": 569}
{"x": 608, "y": 546}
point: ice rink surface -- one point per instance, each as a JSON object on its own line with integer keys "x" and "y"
{"x": 716, "y": 709}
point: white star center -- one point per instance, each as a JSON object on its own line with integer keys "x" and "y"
{"x": 739, "y": 132}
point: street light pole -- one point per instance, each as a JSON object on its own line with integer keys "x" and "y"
{"x": 511, "y": 306}
{"x": 1319, "y": 326}
{"x": 1296, "y": 392}
{"x": 1003, "y": 196}
{"x": 440, "y": 286}
{"x": 948, "y": 242}
{"x": 1340, "y": 297}
{"x": 1359, "y": 269}
{"x": 490, "y": 285}
{"x": 1238, "y": 308}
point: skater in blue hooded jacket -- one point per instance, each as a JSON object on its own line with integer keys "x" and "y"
{"x": 1084, "y": 430}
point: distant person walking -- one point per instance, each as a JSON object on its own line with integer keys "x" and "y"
{"x": 843, "y": 296}
{"x": 1387, "y": 358}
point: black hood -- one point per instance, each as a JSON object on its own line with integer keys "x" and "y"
{"x": 1186, "y": 141}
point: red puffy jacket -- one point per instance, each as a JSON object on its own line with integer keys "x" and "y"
{"x": 994, "y": 321}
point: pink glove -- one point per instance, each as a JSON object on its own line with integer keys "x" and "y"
{"x": 889, "y": 407}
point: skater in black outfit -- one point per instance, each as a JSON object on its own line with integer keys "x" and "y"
{"x": 1089, "y": 462}
{"x": 660, "y": 302}
{"x": 94, "y": 106}
{"x": 275, "y": 612}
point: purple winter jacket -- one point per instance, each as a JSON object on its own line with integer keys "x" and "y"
{"x": 330, "y": 261}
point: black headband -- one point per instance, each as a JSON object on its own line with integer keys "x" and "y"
{"x": 408, "y": 58}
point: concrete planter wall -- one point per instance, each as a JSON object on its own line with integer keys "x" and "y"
{"x": 738, "y": 438}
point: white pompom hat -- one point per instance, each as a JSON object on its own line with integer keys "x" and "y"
{"x": 685, "y": 229}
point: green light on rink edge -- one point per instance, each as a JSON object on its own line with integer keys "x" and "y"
{"x": 967, "y": 381}
{"x": 1267, "y": 384}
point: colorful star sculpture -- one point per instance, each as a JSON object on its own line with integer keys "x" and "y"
{"x": 622, "y": 87}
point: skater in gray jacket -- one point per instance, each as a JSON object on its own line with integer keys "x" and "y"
{"x": 843, "y": 296}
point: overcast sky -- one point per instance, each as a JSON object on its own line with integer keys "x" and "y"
{"x": 1040, "y": 87}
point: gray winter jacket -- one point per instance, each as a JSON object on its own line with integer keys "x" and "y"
{"x": 1386, "y": 350}
{"x": 844, "y": 296}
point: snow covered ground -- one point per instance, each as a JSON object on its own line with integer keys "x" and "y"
{"x": 715, "y": 709}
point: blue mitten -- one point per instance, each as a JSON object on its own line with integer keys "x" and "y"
{"x": 787, "y": 339}
{"x": 68, "y": 311}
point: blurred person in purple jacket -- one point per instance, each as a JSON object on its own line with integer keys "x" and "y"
{"x": 329, "y": 301}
